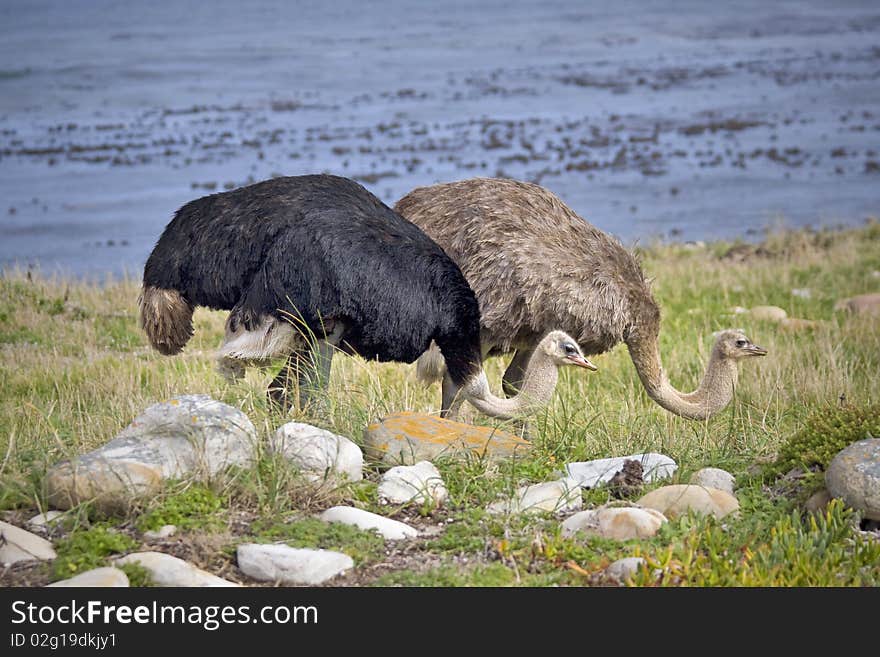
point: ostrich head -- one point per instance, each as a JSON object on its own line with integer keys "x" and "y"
{"x": 563, "y": 350}
{"x": 734, "y": 345}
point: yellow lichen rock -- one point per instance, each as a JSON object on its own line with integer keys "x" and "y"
{"x": 406, "y": 438}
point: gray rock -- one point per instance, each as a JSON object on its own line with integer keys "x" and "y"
{"x": 854, "y": 476}
{"x": 42, "y": 520}
{"x": 16, "y": 545}
{"x": 623, "y": 570}
{"x": 617, "y": 523}
{"x": 417, "y": 483}
{"x": 96, "y": 578}
{"x": 714, "y": 478}
{"x": 287, "y": 565}
{"x": 319, "y": 454}
{"x": 590, "y": 474}
{"x": 166, "y": 570}
{"x": 390, "y": 529}
{"x": 551, "y": 496}
{"x": 191, "y": 436}
{"x": 678, "y": 499}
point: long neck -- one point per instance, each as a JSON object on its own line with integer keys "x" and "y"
{"x": 537, "y": 388}
{"x": 714, "y": 393}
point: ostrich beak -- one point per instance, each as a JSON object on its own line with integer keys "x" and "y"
{"x": 580, "y": 361}
{"x": 755, "y": 350}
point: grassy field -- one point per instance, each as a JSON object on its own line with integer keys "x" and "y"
{"x": 76, "y": 369}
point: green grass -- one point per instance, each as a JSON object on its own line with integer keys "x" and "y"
{"x": 495, "y": 574}
{"x": 75, "y": 370}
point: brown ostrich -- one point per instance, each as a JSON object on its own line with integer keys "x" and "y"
{"x": 535, "y": 265}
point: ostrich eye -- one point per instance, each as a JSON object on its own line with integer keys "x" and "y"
{"x": 741, "y": 343}
{"x": 569, "y": 348}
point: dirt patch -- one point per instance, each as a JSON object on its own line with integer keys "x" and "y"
{"x": 26, "y": 573}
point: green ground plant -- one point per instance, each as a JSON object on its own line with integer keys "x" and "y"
{"x": 195, "y": 507}
{"x": 84, "y": 549}
{"x": 825, "y": 433}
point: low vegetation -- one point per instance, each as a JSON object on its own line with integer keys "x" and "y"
{"x": 75, "y": 370}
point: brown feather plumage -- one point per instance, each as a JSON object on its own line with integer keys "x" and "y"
{"x": 536, "y": 266}
{"x": 501, "y": 232}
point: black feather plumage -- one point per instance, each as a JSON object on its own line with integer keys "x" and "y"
{"x": 322, "y": 248}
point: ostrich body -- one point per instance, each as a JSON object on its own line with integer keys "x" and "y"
{"x": 536, "y": 265}
{"x": 307, "y": 266}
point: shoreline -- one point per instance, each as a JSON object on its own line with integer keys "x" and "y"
{"x": 751, "y": 238}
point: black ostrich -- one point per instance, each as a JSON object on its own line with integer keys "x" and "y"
{"x": 309, "y": 265}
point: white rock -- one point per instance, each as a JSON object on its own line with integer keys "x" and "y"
{"x": 388, "y": 528}
{"x": 768, "y": 313}
{"x": 412, "y": 483}
{"x": 714, "y": 478}
{"x": 319, "y": 454}
{"x": 166, "y": 570}
{"x": 679, "y": 499}
{"x": 96, "y": 578}
{"x": 590, "y": 474}
{"x": 43, "y": 519}
{"x": 190, "y": 436}
{"x": 802, "y": 292}
{"x": 163, "y": 532}
{"x": 623, "y": 570}
{"x": 618, "y": 523}
{"x": 553, "y": 496}
{"x": 739, "y": 310}
{"x": 287, "y": 565}
{"x": 16, "y": 544}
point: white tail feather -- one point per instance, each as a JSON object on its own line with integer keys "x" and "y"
{"x": 272, "y": 338}
{"x": 431, "y": 366}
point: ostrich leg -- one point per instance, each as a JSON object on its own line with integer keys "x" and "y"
{"x": 314, "y": 381}
{"x": 451, "y": 401}
{"x": 306, "y": 372}
{"x": 292, "y": 380}
{"x": 512, "y": 380}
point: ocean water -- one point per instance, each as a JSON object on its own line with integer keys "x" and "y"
{"x": 676, "y": 120}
